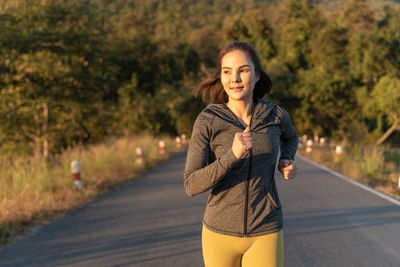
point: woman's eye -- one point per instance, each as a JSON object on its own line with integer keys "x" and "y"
{"x": 245, "y": 70}
{"x": 226, "y": 72}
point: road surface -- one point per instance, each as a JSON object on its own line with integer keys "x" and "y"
{"x": 150, "y": 221}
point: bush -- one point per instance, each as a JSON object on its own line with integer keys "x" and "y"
{"x": 371, "y": 163}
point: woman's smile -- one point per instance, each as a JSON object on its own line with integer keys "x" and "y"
{"x": 237, "y": 88}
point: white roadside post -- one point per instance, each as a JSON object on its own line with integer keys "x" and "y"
{"x": 161, "y": 150}
{"x": 322, "y": 141}
{"x": 161, "y": 146}
{"x": 309, "y": 146}
{"x": 398, "y": 184}
{"x": 76, "y": 173}
{"x": 139, "y": 155}
{"x": 178, "y": 142}
{"x": 338, "y": 151}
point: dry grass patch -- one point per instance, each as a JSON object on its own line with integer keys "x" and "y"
{"x": 34, "y": 191}
{"x": 375, "y": 168}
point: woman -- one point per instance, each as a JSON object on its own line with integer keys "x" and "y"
{"x": 233, "y": 151}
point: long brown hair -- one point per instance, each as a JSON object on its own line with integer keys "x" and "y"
{"x": 212, "y": 90}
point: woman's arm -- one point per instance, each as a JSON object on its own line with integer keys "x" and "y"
{"x": 288, "y": 136}
{"x": 199, "y": 176}
{"x": 289, "y": 140}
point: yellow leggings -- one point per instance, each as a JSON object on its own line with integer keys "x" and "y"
{"x": 230, "y": 251}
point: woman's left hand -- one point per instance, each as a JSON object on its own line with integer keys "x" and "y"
{"x": 287, "y": 168}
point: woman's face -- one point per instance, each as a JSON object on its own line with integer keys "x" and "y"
{"x": 238, "y": 75}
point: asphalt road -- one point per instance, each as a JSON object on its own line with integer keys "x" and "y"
{"x": 151, "y": 222}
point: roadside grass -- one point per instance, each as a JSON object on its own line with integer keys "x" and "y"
{"x": 376, "y": 168}
{"x": 34, "y": 191}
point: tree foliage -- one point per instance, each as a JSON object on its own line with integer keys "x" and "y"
{"x": 80, "y": 70}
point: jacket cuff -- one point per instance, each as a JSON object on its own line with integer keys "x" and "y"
{"x": 287, "y": 157}
{"x": 228, "y": 160}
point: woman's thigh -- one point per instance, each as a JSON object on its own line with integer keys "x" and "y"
{"x": 222, "y": 250}
{"x": 266, "y": 251}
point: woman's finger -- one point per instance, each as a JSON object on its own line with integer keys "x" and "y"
{"x": 290, "y": 175}
{"x": 288, "y": 168}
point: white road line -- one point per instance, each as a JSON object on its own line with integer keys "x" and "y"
{"x": 347, "y": 179}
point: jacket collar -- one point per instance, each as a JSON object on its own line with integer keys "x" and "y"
{"x": 264, "y": 112}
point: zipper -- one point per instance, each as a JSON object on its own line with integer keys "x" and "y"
{"x": 246, "y": 200}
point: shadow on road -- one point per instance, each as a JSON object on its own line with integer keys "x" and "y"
{"x": 324, "y": 221}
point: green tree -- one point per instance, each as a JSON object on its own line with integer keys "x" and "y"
{"x": 328, "y": 49}
{"x": 254, "y": 28}
{"x": 357, "y": 17}
{"x": 326, "y": 103}
{"x": 384, "y": 100}
{"x": 300, "y": 21}
{"x": 53, "y": 64}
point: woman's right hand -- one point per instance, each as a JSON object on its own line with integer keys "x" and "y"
{"x": 242, "y": 142}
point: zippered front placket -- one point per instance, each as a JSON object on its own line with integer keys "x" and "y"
{"x": 246, "y": 200}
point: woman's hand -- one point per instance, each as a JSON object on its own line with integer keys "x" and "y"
{"x": 242, "y": 142}
{"x": 287, "y": 168}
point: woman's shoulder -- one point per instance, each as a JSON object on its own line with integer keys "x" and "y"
{"x": 211, "y": 110}
{"x": 205, "y": 116}
{"x": 268, "y": 108}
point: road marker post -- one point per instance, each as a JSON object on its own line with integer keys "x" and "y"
{"x": 309, "y": 146}
{"x": 139, "y": 155}
{"x": 161, "y": 149}
{"x": 322, "y": 141}
{"x": 161, "y": 146}
{"x": 338, "y": 151}
{"x": 398, "y": 183}
{"x": 76, "y": 174}
{"x": 178, "y": 142}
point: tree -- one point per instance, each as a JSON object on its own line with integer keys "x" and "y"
{"x": 326, "y": 101}
{"x": 253, "y": 27}
{"x": 357, "y": 17}
{"x": 384, "y": 99}
{"x": 301, "y": 20}
{"x": 52, "y": 66}
{"x": 328, "y": 49}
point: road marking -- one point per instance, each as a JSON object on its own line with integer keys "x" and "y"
{"x": 347, "y": 179}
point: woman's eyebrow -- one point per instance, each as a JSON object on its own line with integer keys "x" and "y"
{"x": 239, "y": 67}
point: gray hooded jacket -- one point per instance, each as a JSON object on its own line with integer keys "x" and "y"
{"x": 243, "y": 200}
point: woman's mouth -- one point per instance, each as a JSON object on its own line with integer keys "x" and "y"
{"x": 237, "y": 88}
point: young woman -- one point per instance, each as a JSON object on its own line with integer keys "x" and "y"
{"x": 233, "y": 151}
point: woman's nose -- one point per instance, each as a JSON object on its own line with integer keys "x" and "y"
{"x": 236, "y": 77}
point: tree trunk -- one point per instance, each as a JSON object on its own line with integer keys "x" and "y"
{"x": 388, "y": 132}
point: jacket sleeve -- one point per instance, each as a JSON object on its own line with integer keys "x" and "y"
{"x": 288, "y": 136}
{"x": 200, "y": 175}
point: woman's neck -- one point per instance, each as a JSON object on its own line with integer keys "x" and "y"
{"x": 242, "y": 109}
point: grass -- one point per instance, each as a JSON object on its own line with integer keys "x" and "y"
{"x": 378, "y": 169}
{"x": 34, "y": 191}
